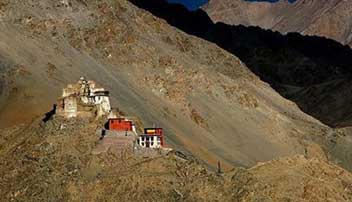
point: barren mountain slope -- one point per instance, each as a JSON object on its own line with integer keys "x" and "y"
{"x": 308, "y": 70}
{"x": 41, "y": 163}
{"x": 207, "y": 100}
{"x": 329, "y": 18}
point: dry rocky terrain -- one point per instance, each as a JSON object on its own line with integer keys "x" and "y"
{"x": 207, "y": 100}
{"x": 209, "y": 103}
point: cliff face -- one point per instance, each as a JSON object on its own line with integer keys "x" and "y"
{"x": 328, "y": 18}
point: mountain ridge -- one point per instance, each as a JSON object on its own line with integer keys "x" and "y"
{"x": 322, "y": 18}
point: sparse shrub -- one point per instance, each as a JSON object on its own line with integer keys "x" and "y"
{"x": 198, "y": 119}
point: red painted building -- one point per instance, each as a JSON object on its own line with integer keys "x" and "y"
{"x": 120, "y": 124}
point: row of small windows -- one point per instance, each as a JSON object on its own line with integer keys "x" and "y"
{"x": 143, "y": 138}
{"x": 144, "y": 144}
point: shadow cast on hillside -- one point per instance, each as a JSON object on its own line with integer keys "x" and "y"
{"x": 290, "y": 63}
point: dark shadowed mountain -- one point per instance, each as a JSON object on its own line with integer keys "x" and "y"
{"x": 315, "y": 72}
{"x": 328, "y": 18}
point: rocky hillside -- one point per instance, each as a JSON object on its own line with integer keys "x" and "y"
{"x": 331, "y": 19}
{"x": 308, "y": 70}
{"x": 53, "y": 161}
{"x": 208, "y": 101}
{"x": 211, "y": 106}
